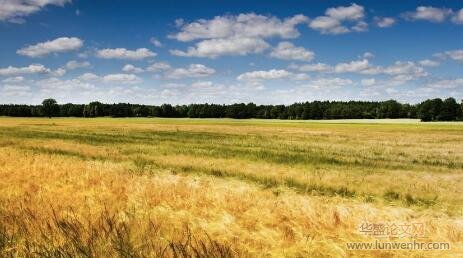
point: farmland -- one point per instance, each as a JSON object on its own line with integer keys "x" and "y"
{"x": 219, "y": 187}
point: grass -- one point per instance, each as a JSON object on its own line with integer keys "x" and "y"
{"x": 224, "y": 188}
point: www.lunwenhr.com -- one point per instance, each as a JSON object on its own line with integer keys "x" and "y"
{"x": 412, "y": 245}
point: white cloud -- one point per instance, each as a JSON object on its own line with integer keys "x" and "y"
{"x": 155, "y": 42}
{"x": 447, "y": 84}
{"x": 368, "y": 82}
{"x": 234, "y": 35}
{"x": 201, "y": 84}
{"x": 51, "y": 85}
{"x": 458, "y": 17}
{"x": 156, "y": 67}
{"x": 122, "y": 78}
{"x": 58, "y": 72}
{"x": 428, "y": 13}
{"x": 88, "y": 77}
{"x": 300, "y": 77}
{"x": 122, "y": 53}
{"x": 391, "y": 91}
{"x": 328, "y": 83}
{"x": 14, "y": 79}
{"x": 213, "y": 48}
{"x": 456, "y": 55}
{"x": 192, "y": 71}
{"x": 14, "y": 11}
{"x": 263, "y": 75}
{"x": 16, "y": 91}
{"x": 352, "y": 67}
{"x": 16, "y": 88}
{"x": 360, "y": 26}
{"x": 353, "y": 12}
{"x": 73, "y": 64}
{"x": 429, "y": 63}
{"x": 31, "y": 69}
{"x": 248, "y": 25}
{"x": 405, "y": 70}
{"x": 402, "y": 70}
{"x": 384, "y": 22}
{"x": 286, "y": 50}
{"x": 318, "y": 67}
{"x": 328, "y": 25}
{"x": 129, "y": 68}
{"x": 368, "y": 55}
{"x": 63, "y": 44}
{"x": 332, "y": 22}
{"x": 201, "y": 89}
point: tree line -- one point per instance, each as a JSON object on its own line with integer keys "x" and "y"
{"x": 429, "y": 110}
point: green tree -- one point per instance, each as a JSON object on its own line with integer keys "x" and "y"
{"x": 449, "y": 110}
{"x": 50, "y": 107}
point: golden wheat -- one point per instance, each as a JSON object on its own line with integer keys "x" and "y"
{"x": 178, "y": 187}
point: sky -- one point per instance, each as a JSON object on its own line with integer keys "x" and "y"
{"x": 272, "y": 52}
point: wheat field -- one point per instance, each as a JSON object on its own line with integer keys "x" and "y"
{"x": 224, "y": 188}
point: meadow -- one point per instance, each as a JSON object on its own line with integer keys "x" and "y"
{"x": 151, "y": 187}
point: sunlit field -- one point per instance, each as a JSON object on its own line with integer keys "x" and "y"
{"x": 225, "y": 188}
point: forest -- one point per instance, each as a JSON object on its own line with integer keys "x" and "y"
{"x": 429, "y": 110}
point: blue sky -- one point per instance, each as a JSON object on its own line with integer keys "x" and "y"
{"x": 179, "y": 52}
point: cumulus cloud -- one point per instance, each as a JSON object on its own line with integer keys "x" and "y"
{"x": 235, "y": 35}
{"x": 122, "y": 53}
{"x": 328, "y": 25}
{"x": 122, "y": 78}
{"x": 58, "y": 72}
{"x": 446, "y": 84}
{"x": 353, "y": 12}
{"x": 63, "y": 44}
{"x": 263, "y": 75}
{"x": 458, "y": 17}
{"x": 129, "y": 68}
{"x": 401, "y": 70}
{"x": 318, "y": 67}
{"x": 428, "y": 13}
{"x": 73, "y": 64}
{"x": 286, "y": 50}
{"x": 51, "y": 85}
{"x": 429, "y": 63}
{"x": 31, "y": 69}
{"x": 213, "y": 48}
{"x": 88, "y": 77}
{"x": 328, "y": 83}
{"x": 384, "y": 22}
{"x": 15, "y": 11}
{"x": 16, "y": 88}
{"x": 332, "y": 22}
{"x": 352, "y": 67}
{"x": 155, "y": 42}
{"x": 192, "y": 71}
{"x": 248, "y": 25}
{"x": 16, "y": 79}
{"x": 360, "y": 26}
{"x": 16, "y": 91}
{"x": 157, "y": 67}
{"x": 456, "y": 55}
{"x": 368, "y": 82}
{"x": 368, "y": 55}
{"x": 202, "y": 84}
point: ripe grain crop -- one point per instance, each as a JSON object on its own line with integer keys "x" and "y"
{"x": 225, "y": 188}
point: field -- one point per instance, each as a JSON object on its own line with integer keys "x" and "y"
{"x": 218, "y": 187}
